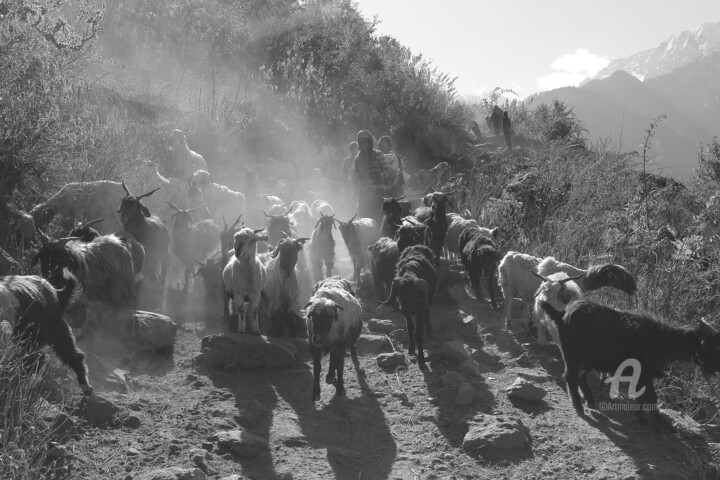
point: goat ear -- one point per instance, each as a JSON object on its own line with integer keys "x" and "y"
{"x": 146, "y": 211}
{"x": 275, "y": 252}
{"x": 308, "y": 304}
{"x": 495, "y": 232}
{"x": 538, "y": 275}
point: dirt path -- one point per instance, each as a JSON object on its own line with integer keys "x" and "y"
{"x": 397, "y": 425}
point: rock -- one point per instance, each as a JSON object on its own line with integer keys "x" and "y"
{"x": 133, "y": 421}
{"x": 199, "y": 452}
{"x": 232, "y": 477}
{"x": 485, "y": 357}
{"x": 242, "y": 443}
{"x": 208, "y": 446}
{"x": 381, "y": 326}
{"x": 249, "y": 412}
{"x": 247, "y": 351}
{"x": 98, "y": 409}
{"x": 373, "y": 345}
{"x": 524, "y": 390}
{"x": 147, "y": 331}
{"x": 496, "y": 431}
{"x": 452, "y": 379}
{"x": 685, "y": 426}
{"x": 174, "y": 449}
{"x": 132, "y": 452}
{"x": 173, "y": 473}
{"x": 63, "y": 425}
{"x": 465, "y": 394}
{"x": 470, "y": 368}
{"x": 390, "y": 360}
{"x": 456, "y": 351}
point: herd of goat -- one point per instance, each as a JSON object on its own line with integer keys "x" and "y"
{"x": 274, "y": 283}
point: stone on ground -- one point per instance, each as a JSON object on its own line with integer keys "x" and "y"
{"x": 452, "y": 378}
{"x": 525, "y": 390}
{"x": 456, "y": 351}
{"x": 381, "y": 325}
{"x": 496, "y": 431}
{"x": 465, "y": 394}
{"x": 231, "y": 350}
{"x": 241, "y": 443}
{"x": 373, "y": 345}
{"x": 389, "y": 360}
{"x": 98, "y": 409}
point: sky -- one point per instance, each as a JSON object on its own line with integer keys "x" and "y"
{"x": 532, "y": 45}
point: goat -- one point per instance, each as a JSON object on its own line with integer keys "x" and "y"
{"x": 149, "y": 231}
{"x": 456, "y": 225}
{"x": 104, "y": 268}
{"x": 393, "y": 212}
{"x": 281, "y": 286}
{"x": 435, "y": 218}
{"x": 358, "y": 236}
{"x": 558, "y": 290}
{"x": 321, "y": 207}
{"x": 81, "y": 200}
{"x": 278, "y": 226}
{"x": 414, "y": 286}
{"x": 322, "y": 246}
{"x": 35, "y": 310}
{"x": 192, "y": 240}
{"x": 517, "y": 281}
{"x": 334, "y": 323}
{"x": 244, "y": 278}
{"x": 277, "y": 210}
{"x": 177, "y": 191}
{"x": 220, "y": 200}
{"x": 384, "y": 255}
{"x": 425, "y": 179}
{"x": 595, "y": 336}
{"x": 185, "y": 161}
{"x": 480, "y": 257}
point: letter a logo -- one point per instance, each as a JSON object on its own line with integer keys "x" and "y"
{"x": 614, "y": 382}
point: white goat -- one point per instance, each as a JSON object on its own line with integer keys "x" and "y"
{"x": 244, "y": 277}
{"x": 282, "y": 287}
{"x": 517, "y": 281}
{"x": 456, "y": 225}
{"x": 559, "y": 291}
{"x": 321, "y": 207}
{"x": 302, "y": 218}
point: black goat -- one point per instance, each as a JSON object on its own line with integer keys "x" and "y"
{"x": 393, "y": 212}
{"x": 480, "y": 257}
{"x": 322, "y": 246}
{"x": 149, "y": 231}
{"x": 84, "y": 231}
{"x": 414, "y": 286}
{"x": 358, "y": 236}
{"x": 435, "y": 217}
{"x": 594, "y": 336}
{"x": 35, "y": 310}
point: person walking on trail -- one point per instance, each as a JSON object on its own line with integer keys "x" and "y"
{"x": 497, "y": 118}
{"x": 348, "y": 162}
{"x": 507, "y": 128}
{"x": 396, "y": 162}
{"x": 372, "y": 175}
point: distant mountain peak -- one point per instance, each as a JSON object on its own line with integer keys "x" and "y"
{"x": 677, "y": 51}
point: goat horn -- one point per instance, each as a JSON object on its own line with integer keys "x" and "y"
{"x": 173, "y": 206}
{"x": 353, "y": 218}
{"x": 236, "y": 222}
{"x": 565, "y": 280}
{"x": 263, "y": 211}
{"x": 198, "y": 261}
{"x": 92, "y": 222}
{"x": 44, "y": 238}
{"x": 258, "y": 231}
{"x": 148, "y": 193}
{"x": 125, "y": 188}
{"x": 225, "y": 227}
{"x": 397, "y": 199}
{"x": 544, "y": 279}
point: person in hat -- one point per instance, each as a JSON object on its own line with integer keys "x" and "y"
{"x": 507, "y": 129}
{"x": 372, "y": 174}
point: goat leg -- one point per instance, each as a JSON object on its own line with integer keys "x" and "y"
{"x": 339, "y": 367}
{"x": 316, "y": 354}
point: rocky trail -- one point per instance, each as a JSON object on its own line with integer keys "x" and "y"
{"x": 168, "y": 418}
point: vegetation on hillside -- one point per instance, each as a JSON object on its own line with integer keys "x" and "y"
{"x": 274, "y": 74}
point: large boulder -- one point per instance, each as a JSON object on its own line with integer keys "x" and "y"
{"x": 496, "y": 431}
{"x": 146, "y": 331}
{"x": 173, "y": 473}
{"x": 246, "y": 351}
{"x": 241, "y": 443}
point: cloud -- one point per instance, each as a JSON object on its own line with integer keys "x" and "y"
{"x": 572, "y": 68}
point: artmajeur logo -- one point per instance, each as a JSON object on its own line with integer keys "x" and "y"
{"x": 633, "y": 379}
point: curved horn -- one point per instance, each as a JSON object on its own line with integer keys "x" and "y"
{"x": 565, "y": 280}
{"x": 225, "y": 227}
{"x": 544, "y": 279}
{"x": 125, "y": 188}
{"x": 263, "y": 211}
{"x": 148, "y": 193}
{"x": 353, "y": 218}
{"x": 192, "y": 209}
{"x": 397, "y": 199}
{"x": 258, "y": 230}
{"x": 92, "y": 222}
{"x": 236, "y": 222}
{"x": 172, "y": 206}
{"x": 198, "y": 261}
